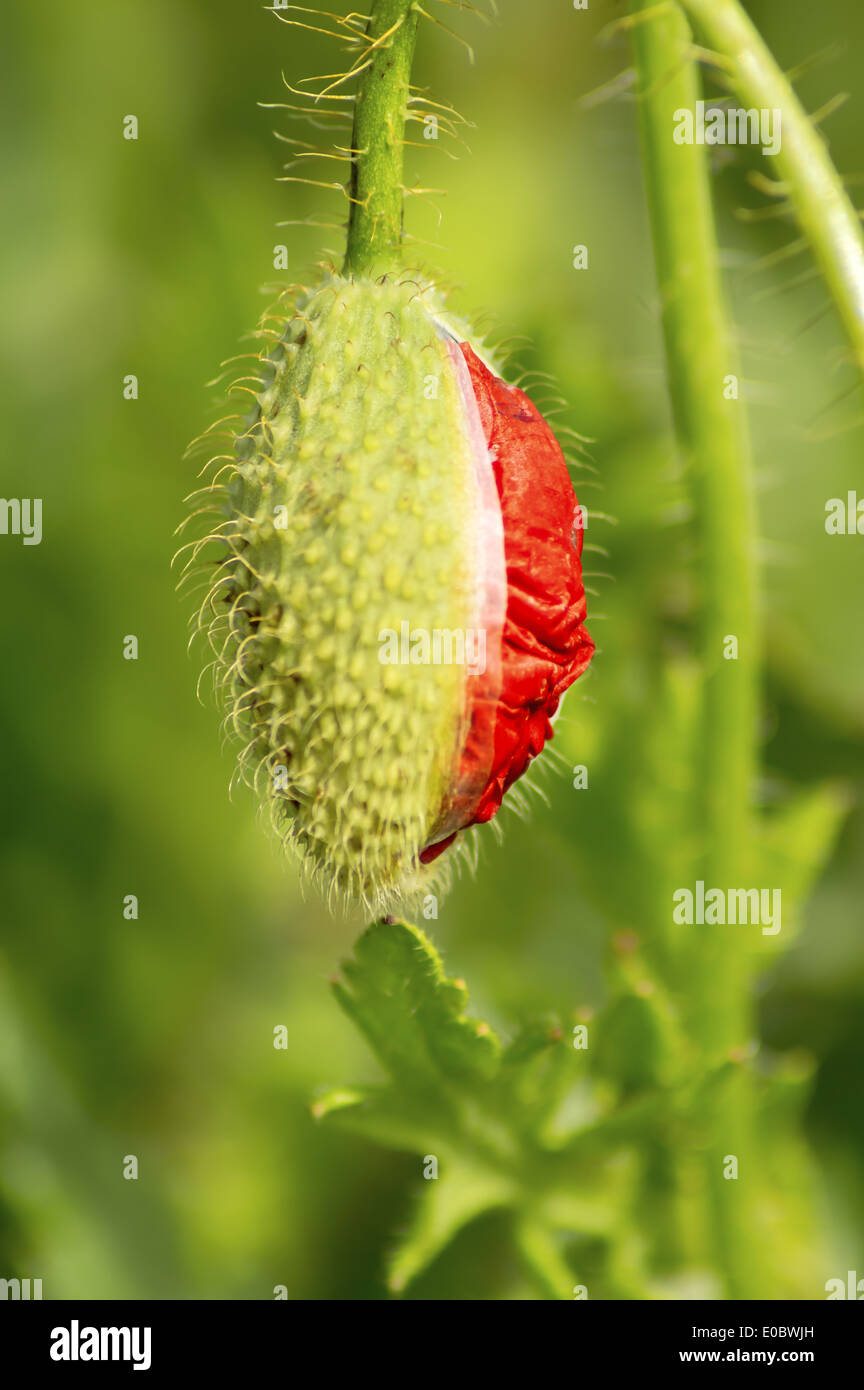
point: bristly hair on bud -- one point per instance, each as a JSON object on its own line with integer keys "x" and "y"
{"x": 394, "y": 600}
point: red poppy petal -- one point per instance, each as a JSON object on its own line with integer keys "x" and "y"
{"x": 545, "y": 646}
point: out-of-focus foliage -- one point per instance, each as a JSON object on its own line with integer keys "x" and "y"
{"x": 155, "y": 1037}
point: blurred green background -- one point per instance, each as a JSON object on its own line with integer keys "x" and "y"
{"x": 155, "y": 1037}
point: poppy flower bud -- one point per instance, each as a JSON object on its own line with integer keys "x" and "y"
{"x": 398, "y": 605}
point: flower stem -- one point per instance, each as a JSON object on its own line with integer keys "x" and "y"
{"x": 376, "y": 187}
{"x": 712, "y": 434}
{"x": 824, "y": 210}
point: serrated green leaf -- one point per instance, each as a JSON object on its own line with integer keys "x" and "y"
{"x": 533, "y": 1038}
{"x": 538, "y": 1068}
{"x": 593, "y": 1193}
{"x": 396, "y": 992}
{"x": 339, "y": 1099}
{"x": 386, "y": 1116}
{"x": 461, "y": 1192}
{"x": 622, "y": 1127}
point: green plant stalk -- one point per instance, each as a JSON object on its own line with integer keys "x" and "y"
{"x": 376, "y": 187}
{"x": 713, "y": 440}
{"x": 824, "y": 210}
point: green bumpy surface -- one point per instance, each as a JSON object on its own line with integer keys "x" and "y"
{"x": 351, "y": 510}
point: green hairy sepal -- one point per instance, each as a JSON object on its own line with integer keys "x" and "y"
{"x": 347, "y": 512}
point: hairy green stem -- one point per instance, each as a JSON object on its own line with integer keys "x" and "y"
{"x": 711, "y": 427}
{"x": 824, "y": 210}
{"x": 712, "y": 434}
{"x": 376, "y": 188}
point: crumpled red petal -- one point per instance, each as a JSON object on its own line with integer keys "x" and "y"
{"x": 545, "y": 646}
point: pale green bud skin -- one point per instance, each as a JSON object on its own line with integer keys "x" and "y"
{"x": 353, "y": 509}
